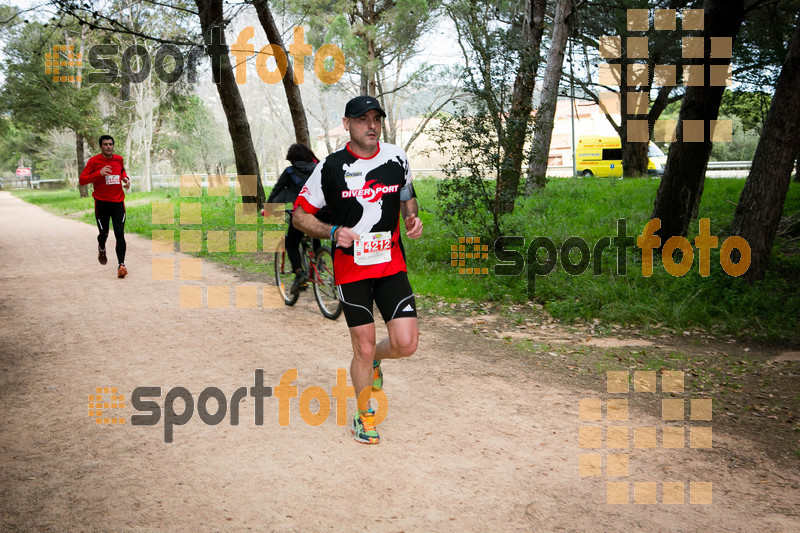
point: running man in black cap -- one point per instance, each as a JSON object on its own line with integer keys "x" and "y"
{"x": 367, "y": 186}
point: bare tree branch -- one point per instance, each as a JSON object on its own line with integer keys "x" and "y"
{"x": 421, "y": 127}
{"x": 114, "y": 25}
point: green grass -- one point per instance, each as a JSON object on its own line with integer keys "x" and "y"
{"x": 60, "y": 202}
{"x": 589, "y": 208}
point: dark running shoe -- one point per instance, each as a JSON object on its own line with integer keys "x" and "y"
{"x": 300, "y": 282}
{"x": 101, "y": 256}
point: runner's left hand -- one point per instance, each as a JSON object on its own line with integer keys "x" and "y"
{"x": 127, "y": 183}
{"x": 413, "y": 227}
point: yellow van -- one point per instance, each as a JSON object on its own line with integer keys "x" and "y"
{"x": 602, "y": 157}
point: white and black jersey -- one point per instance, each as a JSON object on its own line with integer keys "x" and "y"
{"x": 363, "y": 194}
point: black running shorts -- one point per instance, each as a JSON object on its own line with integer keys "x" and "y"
{"x": 392, "y": 294}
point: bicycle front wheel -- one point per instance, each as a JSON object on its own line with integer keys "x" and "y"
{"x": 325, "y": 285}
{"x": 284, "y": 275}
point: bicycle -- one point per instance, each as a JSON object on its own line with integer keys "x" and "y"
{"x": 319, "y": 266}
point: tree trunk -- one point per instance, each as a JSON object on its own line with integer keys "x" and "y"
{"x": 521, "y": 107}
{"x": 761, "y": 203}
{"x": 680, "y": 189}
{"x": 697, "y": 197}
{"x": 148, "y": 105}
{"x": 634, "y": 154}
{"x": 368, "y": 67}
{"x": 83, "y": 190}
{"x": 292, "y": 89}
{"x": 372, "y": 87}
{"x": 81, "y": 160}
{"x": 389, "y": 127}
{"x": 537, "y": 169}
{"x": 212, "y": 23}
{"x": 634, "y": 158}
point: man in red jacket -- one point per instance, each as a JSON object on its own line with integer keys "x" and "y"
{"x": 106, "y": 172}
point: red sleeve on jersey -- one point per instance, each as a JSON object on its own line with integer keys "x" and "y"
{"x": 307, "y": 207}
{"x": 90, "y": 172}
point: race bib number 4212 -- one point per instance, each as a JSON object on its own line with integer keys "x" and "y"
{"x": 373, "y": 248}
{"x": 112, "y": 179}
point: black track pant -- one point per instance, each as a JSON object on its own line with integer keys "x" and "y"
{"x": 115, "y": 212}
{"x": 294, "y": 236}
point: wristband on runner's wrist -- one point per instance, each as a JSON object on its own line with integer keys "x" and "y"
{"x": 333, "y": 230}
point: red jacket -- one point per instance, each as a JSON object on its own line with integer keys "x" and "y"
{"x": 106, "y": 188}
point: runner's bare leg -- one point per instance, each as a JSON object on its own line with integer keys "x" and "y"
{"x": 363, "y": 340}
{"x": 402, "y": 339}
{"x": 401, "y": 342}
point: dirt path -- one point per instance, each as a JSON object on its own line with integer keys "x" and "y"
{"x": 474, "y": 438}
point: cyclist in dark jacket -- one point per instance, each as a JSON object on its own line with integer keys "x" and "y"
{"x": 289, "y": 185}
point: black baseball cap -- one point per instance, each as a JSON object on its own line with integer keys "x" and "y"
{"x": 360, "y": 105}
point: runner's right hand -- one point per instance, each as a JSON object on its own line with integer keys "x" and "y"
{"x": 105, "y": 171}
{"x": 413, "y": 226}
{"x": 345, "y": 237}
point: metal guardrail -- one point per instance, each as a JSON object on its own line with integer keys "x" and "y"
{"x": 715, "y": 169}
{"x": 24, "y": 183}
{"x": 720, "y": 165}
{"x": 15, "y": 183}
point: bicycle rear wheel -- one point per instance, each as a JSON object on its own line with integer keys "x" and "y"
{"x": 284, "y": 275}
{"x": 325, "y": 285}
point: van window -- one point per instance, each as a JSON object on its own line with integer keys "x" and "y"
{"x": 612, "y": 154}
{"x": 655, "y": 151}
